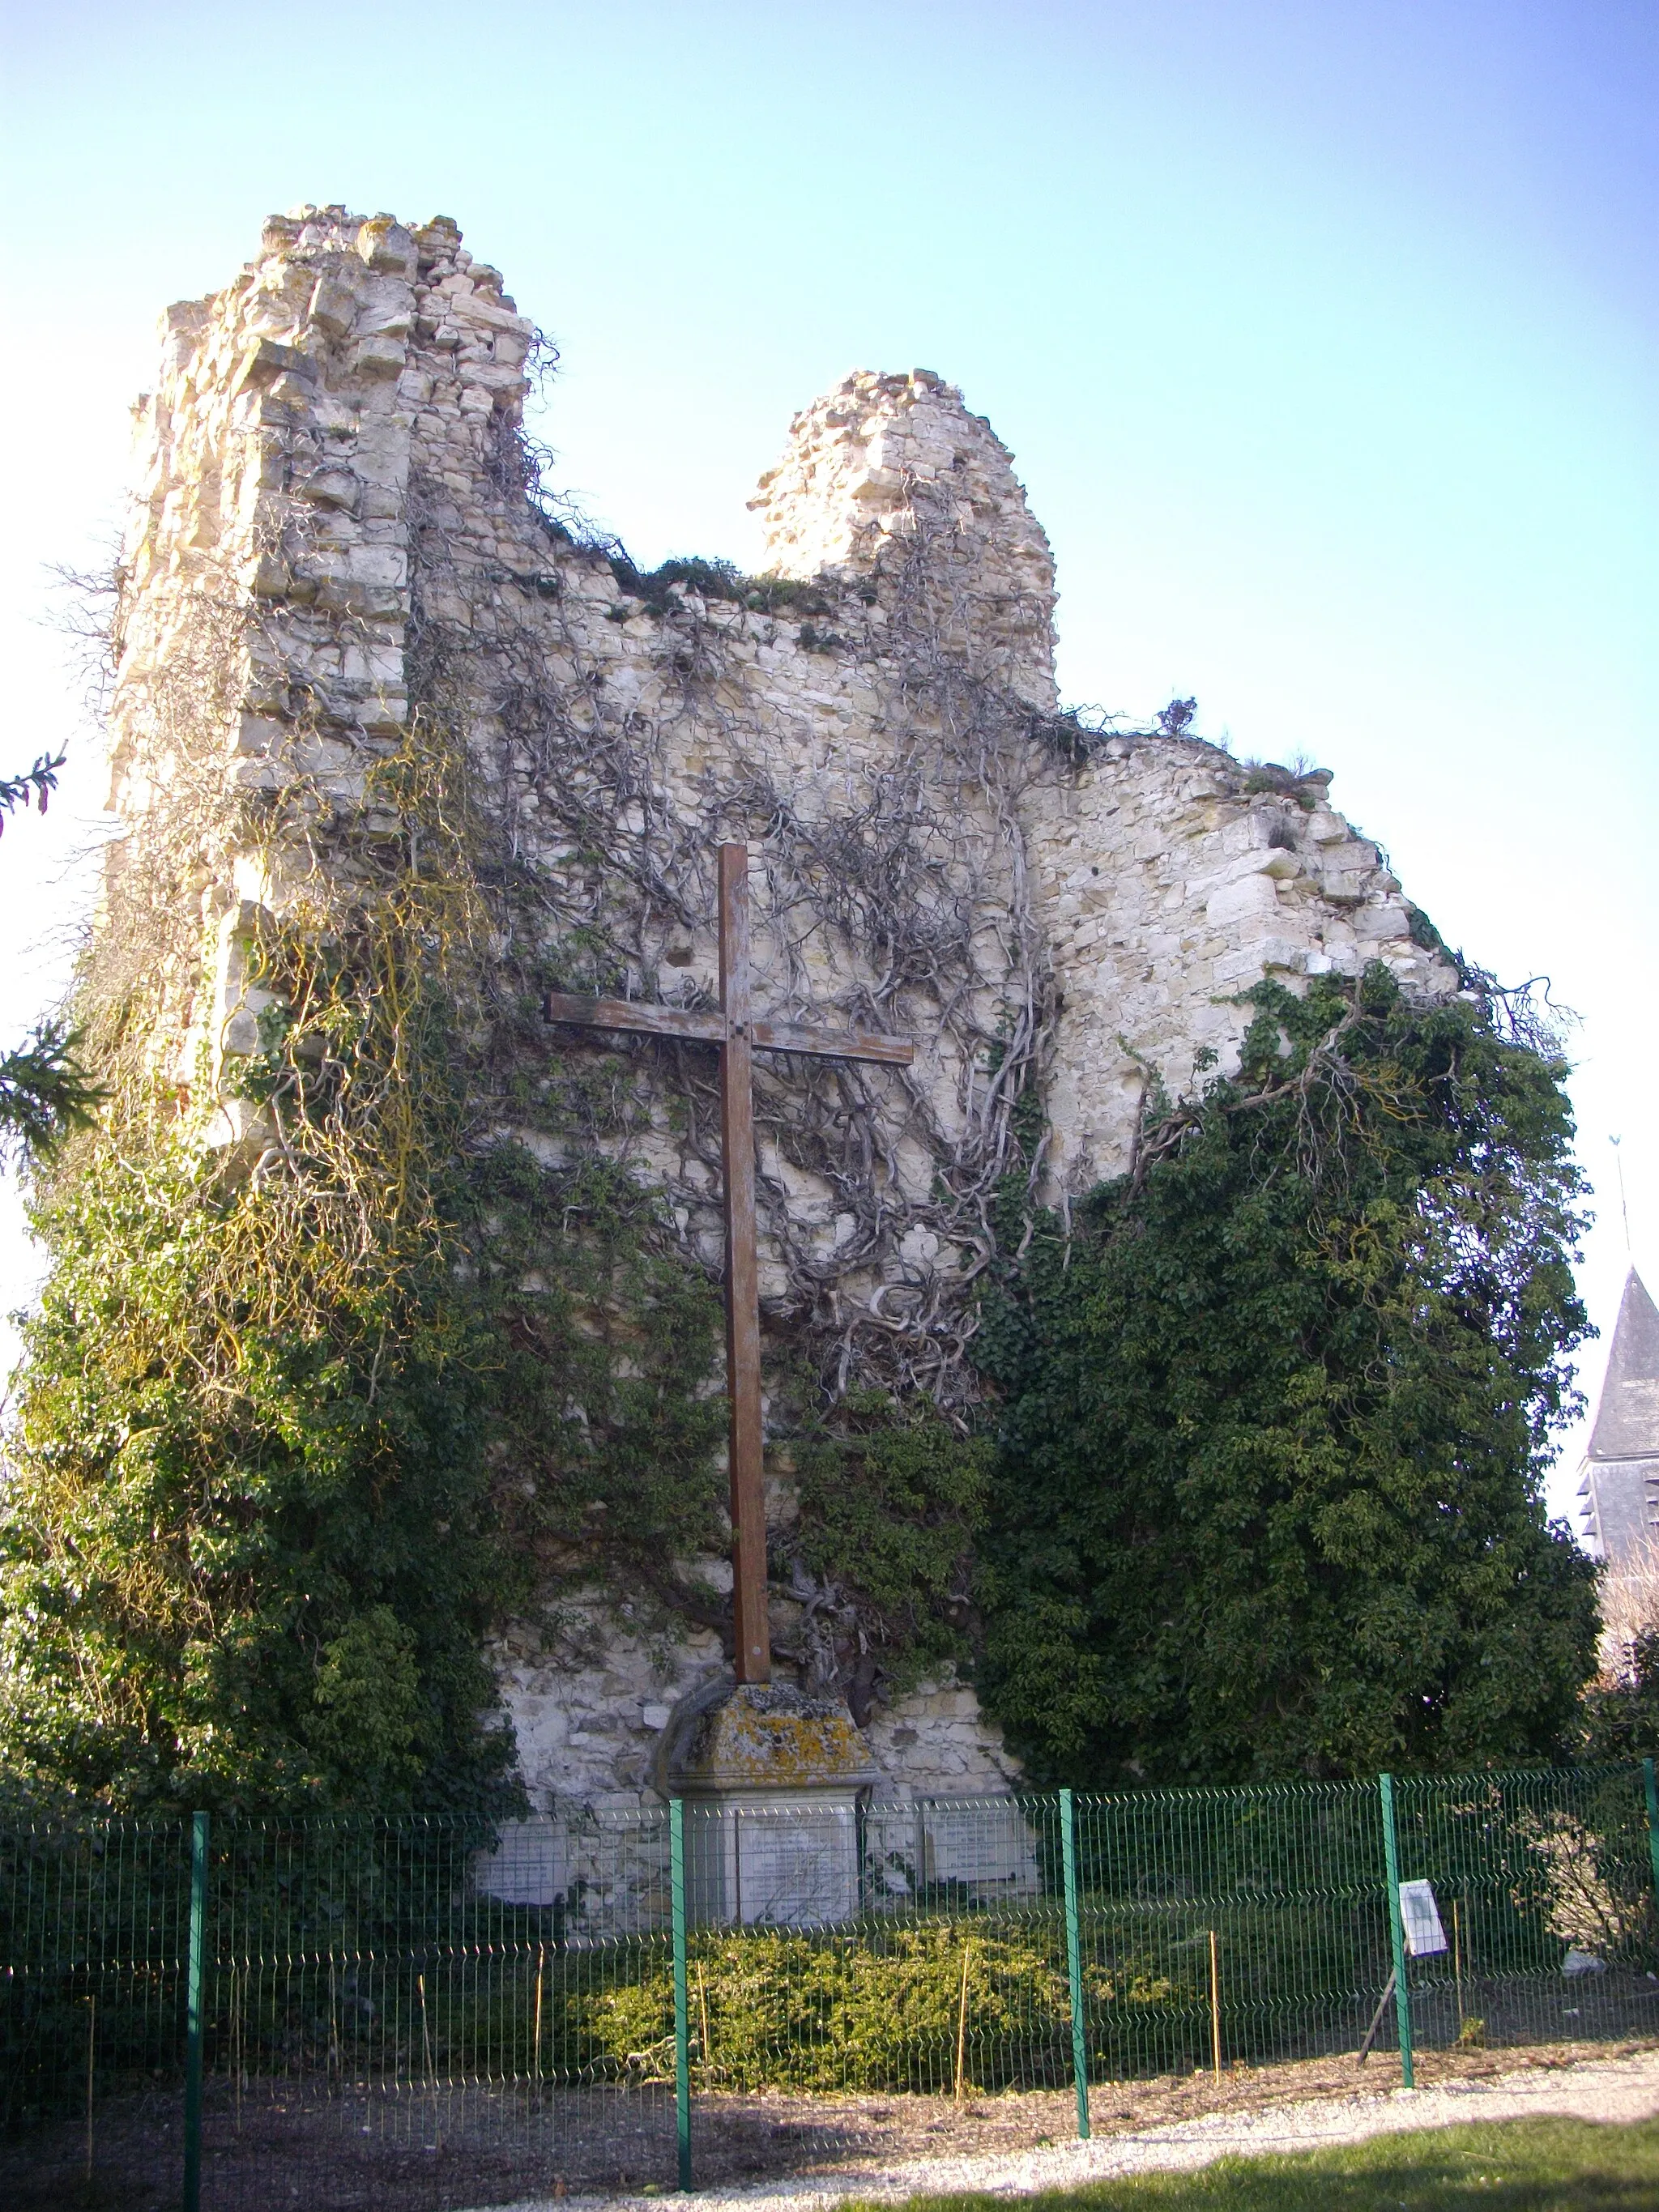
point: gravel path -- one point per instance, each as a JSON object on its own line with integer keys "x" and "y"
{"x": 1609, "y": 2089}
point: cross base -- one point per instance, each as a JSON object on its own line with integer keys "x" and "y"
{"x": 772, "y": 1781}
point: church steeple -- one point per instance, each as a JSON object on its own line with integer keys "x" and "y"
{"x": 1620, "y": 1482}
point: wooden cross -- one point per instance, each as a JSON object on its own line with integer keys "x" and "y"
{"x": 738, "y": 1035}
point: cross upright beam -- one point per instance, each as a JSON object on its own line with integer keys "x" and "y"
{"x": 739, "y": 1037}
{"x": 750, "y": 1624}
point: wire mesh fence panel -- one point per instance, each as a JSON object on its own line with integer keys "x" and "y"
{"x": 840, "y": 1958}
{"x": 93, "y": 1933}
{"x": 1227, "y": 1925}
{"x": 893, "y": 1953}
{"x": 395, "y": 2011}
{"x": 421, "y": 2012}
{"x": 1543, "y": 1917}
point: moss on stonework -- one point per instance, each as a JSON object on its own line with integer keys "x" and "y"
{"x": 716, "y": 580}
{"x": 772, "y": 1737}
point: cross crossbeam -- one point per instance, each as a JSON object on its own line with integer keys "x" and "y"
{"x": 733, "y": 1028}
{"x": 650, "y": 1020}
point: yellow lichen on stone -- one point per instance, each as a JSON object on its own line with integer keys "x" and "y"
{"x": 775, "y": 1738}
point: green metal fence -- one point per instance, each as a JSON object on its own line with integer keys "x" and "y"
{"x": 226, "y": 2014}
{"x": 93, "y": 1940}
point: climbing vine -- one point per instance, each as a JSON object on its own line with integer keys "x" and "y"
{"x": 382, "y": 1262}
{"x": 905, "y": 885}
{"x": 388, "y": 1317}
{"x": 912, "y": 875}
{"x": 889, "y": 1503}
{"x": 247, "y": 1536}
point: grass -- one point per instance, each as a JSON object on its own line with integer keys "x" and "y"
{"x": 1516, "y": 2166}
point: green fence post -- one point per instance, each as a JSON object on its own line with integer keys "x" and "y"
{"x": 1402, "y": 2002}
{"x": 1074, "y": 1957}
{"x": 682, "y": 2002}
{"x": 1652, "y": 1792}
{"x": 195, "y": 1976}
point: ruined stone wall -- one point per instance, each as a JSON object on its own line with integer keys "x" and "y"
{"x": 336, "y": 519}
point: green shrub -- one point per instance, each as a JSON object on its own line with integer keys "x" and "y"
{"x": 876, "y": 2009}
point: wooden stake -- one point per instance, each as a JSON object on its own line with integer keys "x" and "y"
{"x": 431, "y": 2071}
{"x": 1376, "y": 2020}
{"x": 1215, "y": 2004}
{"x": 962, "y": 2023}
{"x": 92, "y": 2060}
{"x": 536, "y": 2062}
{"x": 1457, "y": 1962}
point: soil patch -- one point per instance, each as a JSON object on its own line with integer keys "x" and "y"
{"x": 346, "y": 2150}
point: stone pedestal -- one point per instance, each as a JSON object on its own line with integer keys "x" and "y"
{"x": 772, "y": 1781}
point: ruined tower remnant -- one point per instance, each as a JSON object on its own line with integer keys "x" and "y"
{"x": 338, "y": 531}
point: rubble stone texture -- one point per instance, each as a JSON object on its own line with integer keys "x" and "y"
{"x": 333, "y": 516}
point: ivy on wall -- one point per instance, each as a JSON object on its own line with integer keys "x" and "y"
{"x": 306, "y": 1415}
{"x": 603, "y": 1387}
{"x": 890, "y": 1498}
{"x": 1267, "y": 1500}
{"x": 253, "y": 1576}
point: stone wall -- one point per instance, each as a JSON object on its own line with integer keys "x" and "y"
{"x": 594, "y": 1737}
{"x": 337, "y": 516}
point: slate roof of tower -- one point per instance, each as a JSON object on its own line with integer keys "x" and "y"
{"x": 1627, "y": 1414}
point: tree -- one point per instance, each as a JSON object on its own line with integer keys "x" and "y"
{"x": 44, "y": 1090}
{"x": 1621, "y": 1709}
{"x": 36, "y": 783}
{"x": 247, "y": 1556}
{"x": 1268, "y": 1496}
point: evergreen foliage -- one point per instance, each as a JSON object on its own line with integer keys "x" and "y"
{"x": 36, "y": 783}
{"x": 890, "y": 1499}
{"x": 244, "y": 1552}
{"x": 45, "y": 1093}
{"x": 603, "y": 1387}
{"x": 1268, "y": 1497}
{"x": 781, "y": 2011}
{"x": 1621, "y": 1709}
{"x": 274, "y": 1589}
{"x": 296, "y": 1431}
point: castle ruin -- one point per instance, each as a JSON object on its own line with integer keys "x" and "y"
{"x": 338, "y": 522}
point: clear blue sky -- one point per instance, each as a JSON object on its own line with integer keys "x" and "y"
{"x": 1324, "y": 336}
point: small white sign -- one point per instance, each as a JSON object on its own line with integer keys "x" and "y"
{"x": 1424, "y": 1933}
